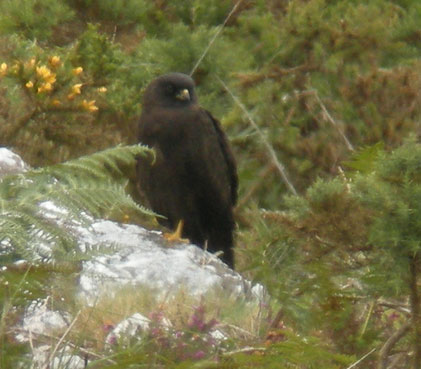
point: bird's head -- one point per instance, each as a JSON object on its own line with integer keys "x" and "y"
{"x": 171, "y": 91}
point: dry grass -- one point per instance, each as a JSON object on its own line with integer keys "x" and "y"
{"x": 237, "y": 318}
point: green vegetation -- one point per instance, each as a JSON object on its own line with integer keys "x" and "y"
{"x": 95, "y": 184}
{"x": 328, "y": 90}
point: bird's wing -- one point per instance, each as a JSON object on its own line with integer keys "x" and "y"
{"x": 228, "y": 156}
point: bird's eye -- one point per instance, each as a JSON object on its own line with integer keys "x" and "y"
{"x": 170, "y": 89}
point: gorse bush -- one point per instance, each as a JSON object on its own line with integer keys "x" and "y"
{"x": 330, "y": 71}
{"x": 121, "y": 12}
{"x": 52, "y": 101}
{"x": 36, "y": 19}
{"x": 348, "y": 245}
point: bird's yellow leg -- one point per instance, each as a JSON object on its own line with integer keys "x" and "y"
{"x": 176, "y": 235}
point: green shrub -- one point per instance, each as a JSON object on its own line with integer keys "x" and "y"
{"x": 36, "y": 19}
{"x": 121, "y": 12}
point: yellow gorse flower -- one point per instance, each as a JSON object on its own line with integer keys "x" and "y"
{"x": 30, "y": 63}
{"x": 77, "y": 71}
{"x": 16, "y": 67}
{"x": 54, "y": 61}
{"x": 45, "y": 73}
{"x": 3, "y": 69}
{"x": 102, "y": 89}
{"x": 89, "y": 105}
{"x": 45, "y": 87}
{"x": 29, "y": 84}
{"x": 76, "y": 88}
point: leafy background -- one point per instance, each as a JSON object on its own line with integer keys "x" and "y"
{"x": 328, "y": 94}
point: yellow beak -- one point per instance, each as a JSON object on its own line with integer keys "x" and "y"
{"x": 183, "y": 95}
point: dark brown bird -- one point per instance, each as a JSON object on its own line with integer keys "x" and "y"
{"x": 193, "y": 180}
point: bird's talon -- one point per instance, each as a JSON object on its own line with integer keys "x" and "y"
{"x": 176, "y": 235}
{"x": 171, "y": 237}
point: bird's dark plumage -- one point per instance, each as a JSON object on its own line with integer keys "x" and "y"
{"x": 194, "y": 176}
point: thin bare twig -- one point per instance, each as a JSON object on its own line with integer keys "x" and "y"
{"x": 245, "y": 350}
{"x": 369, "y": 314}
{"x": 62, "y": 338}
{"x": 215, "y": 37}
{"x": 415, "y": 300}
{"x": 353, "y": 365}
{"x": 277, "y": 163}
{"x": 70, "y": 344}
{"x": 346, "y": 180}
{"x": 331, "y": 120}
{"x": 244, "y": 332}
{"x": 329, "y": 117}
{"x": 402, "y": 308}
{"x": 275, "y": 322}
{"x": 391, "y": 342}
{"x": 397, "y": 359}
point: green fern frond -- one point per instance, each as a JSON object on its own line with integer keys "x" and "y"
{"x": 110, "y": 162}
{"x": 364, "y": 160}
{"x": 91, "y": 186}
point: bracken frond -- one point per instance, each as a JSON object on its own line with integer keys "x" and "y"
{"x": 38, "y": 208}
